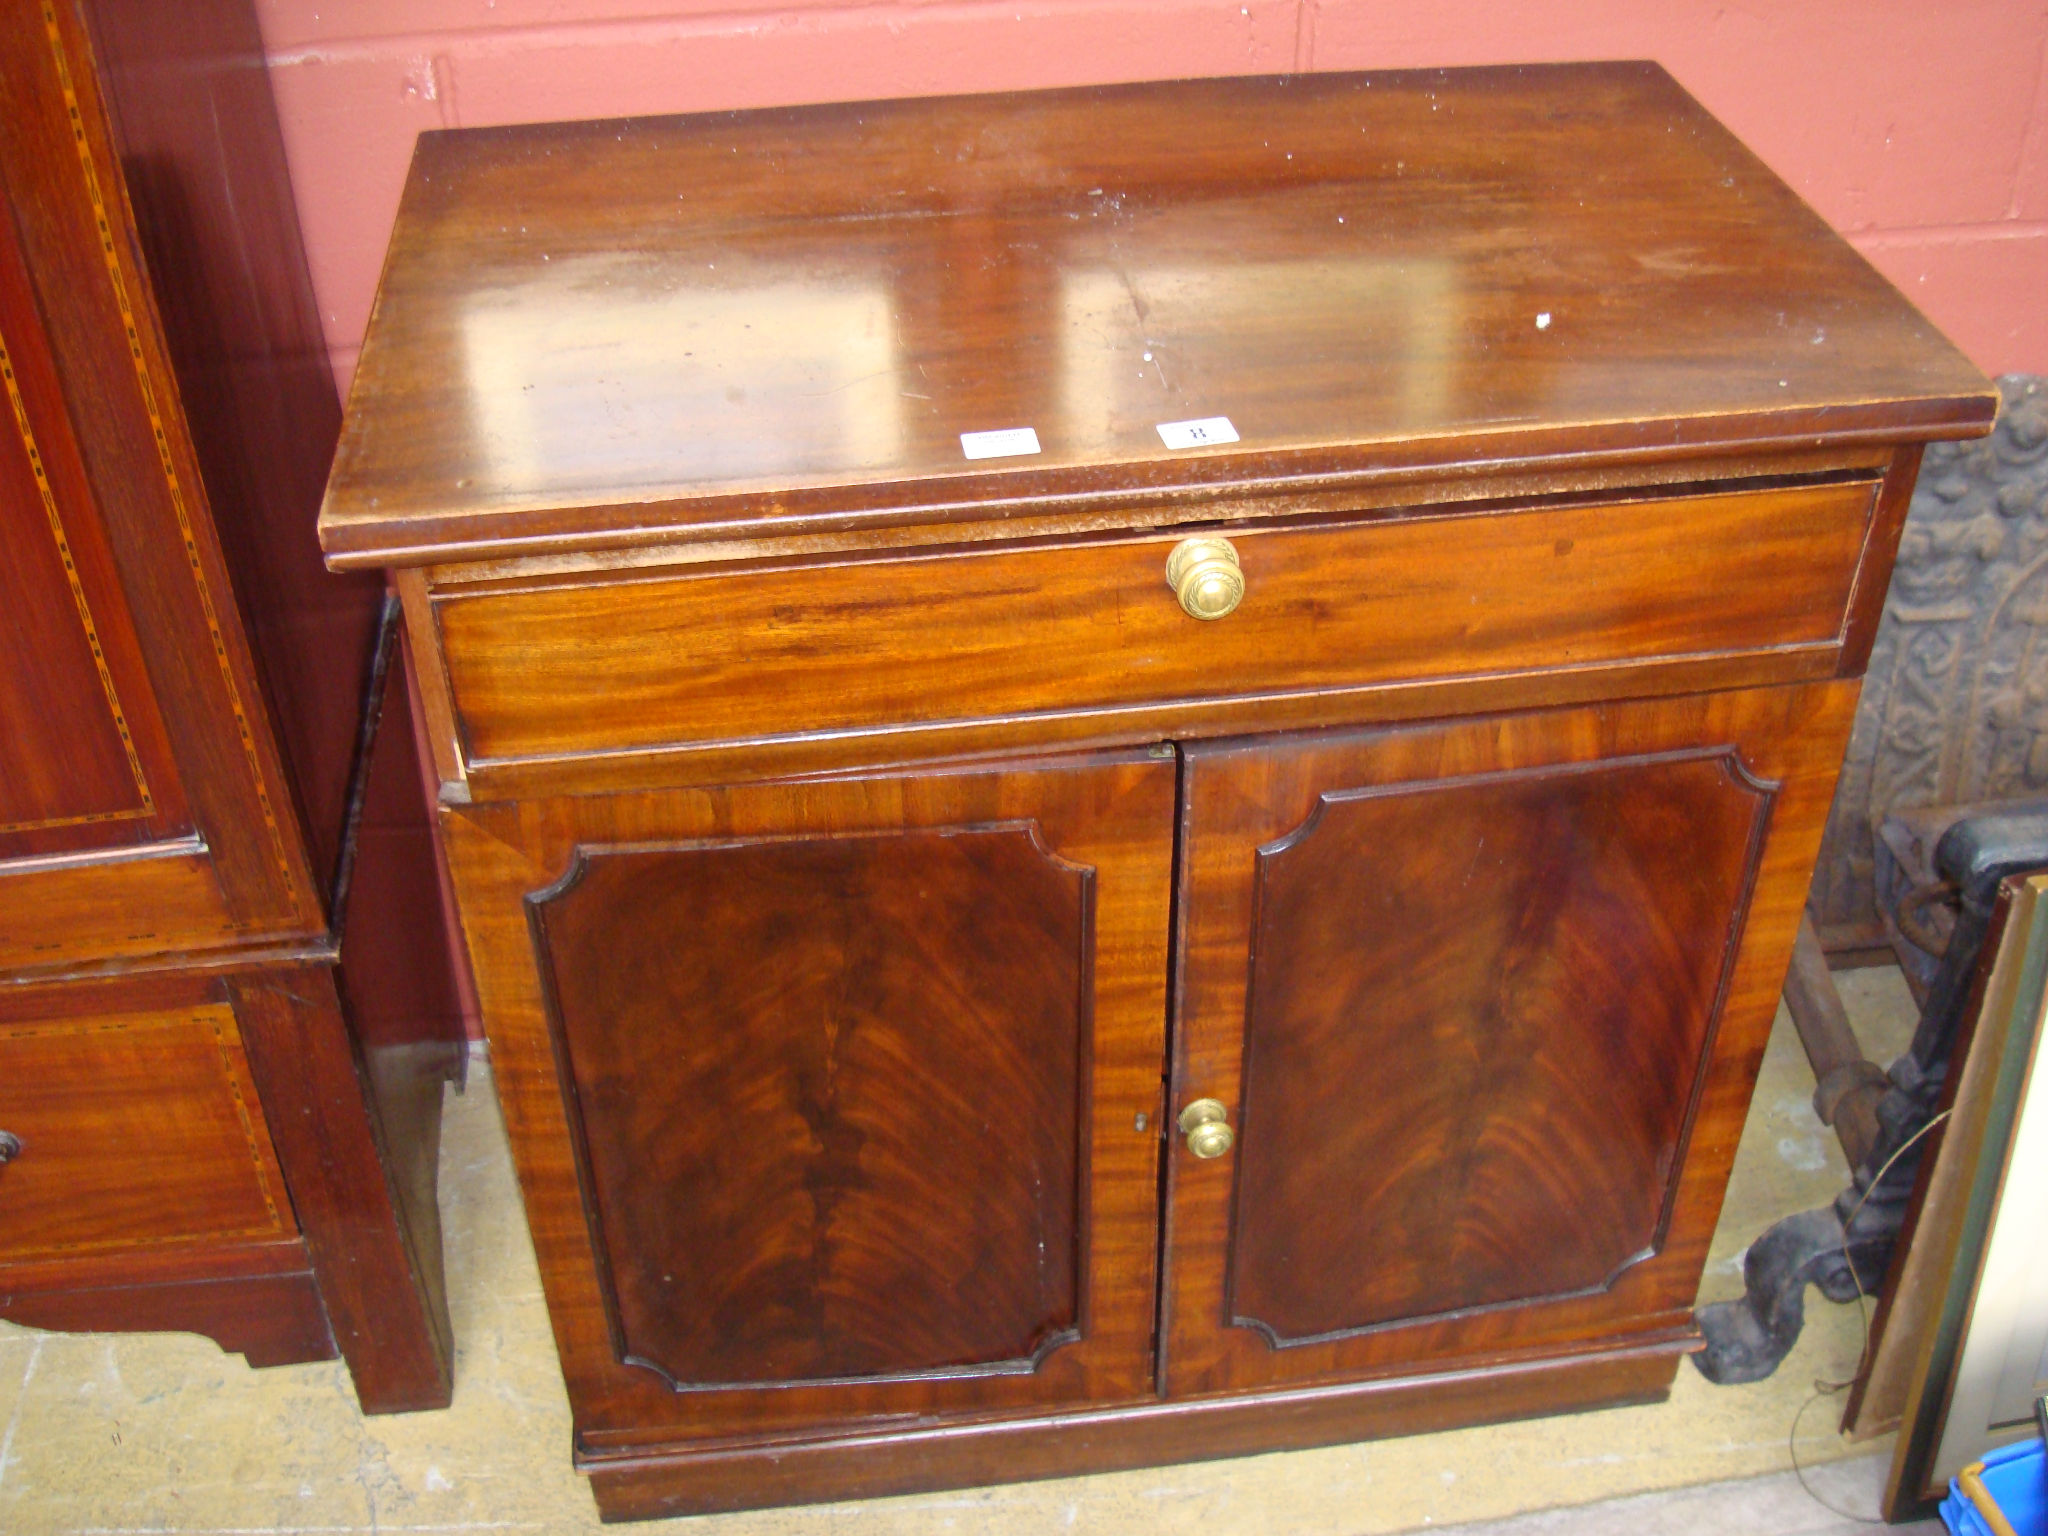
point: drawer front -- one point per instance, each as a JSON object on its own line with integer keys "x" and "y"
{"x": 133, "y": 1131}
{"x": 737, "y": 656}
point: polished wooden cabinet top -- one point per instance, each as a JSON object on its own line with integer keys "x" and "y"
{"x": 784, "y": 320}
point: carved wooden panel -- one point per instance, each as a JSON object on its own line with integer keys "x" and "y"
{"x": 1478, "y": 1013}
{"x": 1483, "y": 1001}
{"x": 133, "y": 1131}
{"x": 1955, "y": 705}
{"x": 828, "y": 1093}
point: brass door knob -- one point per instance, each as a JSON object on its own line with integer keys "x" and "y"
{"x": 10, "y": 1146}
{"x": 1203, "y": 1123}
{"x": 1205, "y": 576}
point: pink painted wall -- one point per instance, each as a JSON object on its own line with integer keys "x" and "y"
{"x": 1919, "y": 129}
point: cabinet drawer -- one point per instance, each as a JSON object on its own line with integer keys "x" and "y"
{"x": 133, "y": 1131}
{"x": 988, "y": 634}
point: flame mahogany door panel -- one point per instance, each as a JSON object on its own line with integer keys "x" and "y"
{"x": 1484, "y": 1001}
{"x": 835, "y": 1100}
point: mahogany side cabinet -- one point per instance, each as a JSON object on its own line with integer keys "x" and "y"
{"x": 1128, "y": 770}
{"x": 220, "y": 1071}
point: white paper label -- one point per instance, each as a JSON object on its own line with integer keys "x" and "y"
{"x": 1004, "y": 444}
{"x": 1197, "y": 434}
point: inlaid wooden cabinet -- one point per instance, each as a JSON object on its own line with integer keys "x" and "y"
{"x": 218, "y": 1108}
{"x": 99, "y": 827}
{"x": 1248, "y": 918}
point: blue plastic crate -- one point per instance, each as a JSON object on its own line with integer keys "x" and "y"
{"x": 2016, "y": 1479}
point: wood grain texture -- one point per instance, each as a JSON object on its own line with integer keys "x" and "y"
{"x": 1564, "y": 428}
{"x": 110, "y": 368}
{"x": 1110, "y": 816}
{"x": 1880, "y": 549}
{"x": 430, "y": 674}
{"x": 1476, "y": 488}
{"x": 744, "y": 656}
{"x": 893, "y": 749}
{"x": 266, "y": 1319}
{"x": 400, "y": 1015}
{"x": 1240, "y": 798}
{"x": 380, "y": 1288}
{"x": 887, "y": 1459}
{"x": 140, "y": 1202}
{"x": 119, "y": 904}
{"x": 85, "y": 763}
{"x": 1366, "y": 273}
{"x": 202, "y": 1262}
{"x": 168, "y": 419}
{"x": 68, "y": 779}
{"x": 1536, "y": 957}
{"x": 136, "y": 1131}
{"x": 829, "y": 1097}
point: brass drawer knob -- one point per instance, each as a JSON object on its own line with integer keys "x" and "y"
{"x": 10, "y": 1146}
{"x": 1203, "y": 1123}
{"x": 1205, "y": 576}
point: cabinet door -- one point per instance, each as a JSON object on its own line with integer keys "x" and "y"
{"x": 143, "y": 804}
{"x": 1484, "y": 1002}
{"x": 834, "y": 1100}
{"x": 84, "y": 764}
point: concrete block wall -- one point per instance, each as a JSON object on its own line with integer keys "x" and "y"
{"x": 1918, "y": 129}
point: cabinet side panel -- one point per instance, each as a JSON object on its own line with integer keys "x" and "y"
{"x": 1527, "y": 965}
{"x": 828, "y": 1095}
